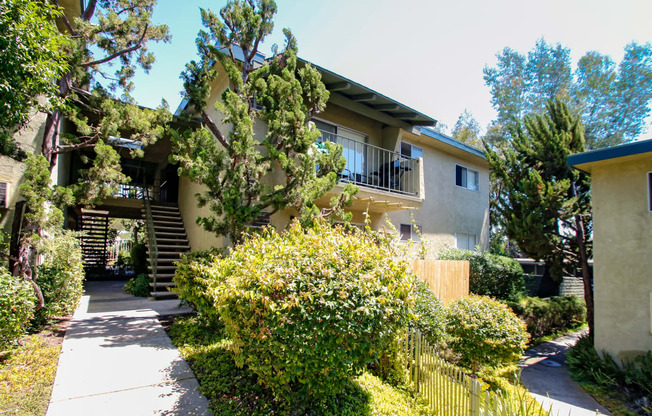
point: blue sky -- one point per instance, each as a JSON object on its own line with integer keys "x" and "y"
{"x": 429, "y": 55}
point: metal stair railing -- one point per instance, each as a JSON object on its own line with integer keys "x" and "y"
{"x": 151, "y": 235}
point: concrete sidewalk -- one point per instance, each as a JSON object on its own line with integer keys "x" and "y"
{"x": 546, "y": 376}
{"x": 117, "y": 360}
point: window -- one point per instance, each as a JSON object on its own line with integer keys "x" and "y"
{"x": 466, "y": 241}
{"x": 467, "y": 178}
{"x": 649, "y": 191}
{"x": 409, "y": 232}
{"x": 411, "y": 150}
{"x": 354, "y": 147}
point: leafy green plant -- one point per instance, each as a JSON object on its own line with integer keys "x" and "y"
{"x": 138, "y": 286}
{"x": 490, "y": 274}
{"x": 235, "y": 391}
{"x": 547, "y": 316}
{"x": 485, "y": 332}
{"x": 16, "y": 307}
{"x": 428, "y": 314}
{"x": 310, "y": 308}
{"x": 634, "y": 377}
{"x": 138, "y": 256}
{"x": 193, "y": 276}
{"x": 61, "y": 274}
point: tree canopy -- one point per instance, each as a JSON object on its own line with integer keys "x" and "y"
{"x": 545, "y": 205}
{"x": 107, "y": 43}
{"x": 467, "y": 130}
{"x": 611, "y": 100}
{"x": 31, "y": 56}
{"x": 251, "y": 176}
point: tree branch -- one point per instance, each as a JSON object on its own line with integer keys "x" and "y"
{"x": 119, "y": 53}
{"x": 212, "y": 127}
{"x": 64, "y": 18}
{"x": 90, "y": 9}
{"x": 72, "y": 147}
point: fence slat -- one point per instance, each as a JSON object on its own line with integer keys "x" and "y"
{"x": 447, "y": 279}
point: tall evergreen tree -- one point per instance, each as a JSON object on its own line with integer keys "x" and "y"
{"x": 109, "y": 35}
{"x": 545, "y": 205}
{"x": 249, "y": 178}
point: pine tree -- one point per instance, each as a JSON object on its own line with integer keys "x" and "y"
{"x": 249, "y": 178}
{"x": 545, "y": 205}
{"x": 109, "y": 35}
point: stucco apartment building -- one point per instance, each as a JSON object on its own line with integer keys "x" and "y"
{"x": 401, "y": 167}
{"x": 621, "y": 183}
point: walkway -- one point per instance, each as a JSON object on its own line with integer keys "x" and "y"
{"x": 546, "y": 375}
{"x": 116, "y": 359}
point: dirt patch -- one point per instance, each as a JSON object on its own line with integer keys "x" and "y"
{"x": 54, "y": 332}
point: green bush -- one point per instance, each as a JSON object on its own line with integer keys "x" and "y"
{"x": 193, "y": 275}
{"x": 310, "y": 308}
{"x": 485, "y": 332}
{"x": 548, "y": 316}
{"x": 428, "y": 315}
{"x": 138, "y": 258}
{"x": 60, "y": 276}
{"x": 138, "y": 286}
{"x": 16, "y": 307}
{"x": 586, "y": 365}
{"x": 490, "y": 274}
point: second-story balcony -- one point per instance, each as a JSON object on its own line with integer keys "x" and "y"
{"x": 372, "y": 167}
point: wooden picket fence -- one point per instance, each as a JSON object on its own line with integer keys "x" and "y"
{"x": 450, "y": 392}
{"x": 448, "y": 279}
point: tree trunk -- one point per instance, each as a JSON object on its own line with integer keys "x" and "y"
{"x": 586, "y": 273}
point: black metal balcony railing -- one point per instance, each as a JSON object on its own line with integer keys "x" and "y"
{"x": 154, "y": 192}
{"x": 374, "y": 167}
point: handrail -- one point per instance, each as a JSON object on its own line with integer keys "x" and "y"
{"x": 151, "y": 236}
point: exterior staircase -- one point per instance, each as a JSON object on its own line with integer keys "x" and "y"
{"x": 171, "y": 243}
{"x": 95, "y": 225}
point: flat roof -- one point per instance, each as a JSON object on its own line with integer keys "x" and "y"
{"x": 629, "y": 149}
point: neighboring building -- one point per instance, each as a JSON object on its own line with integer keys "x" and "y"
{"x": 621, "y": 184}
{"x": 399, "y": 165}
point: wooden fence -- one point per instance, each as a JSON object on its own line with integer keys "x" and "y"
{"x": 448, "y": 279}
{"x": 450, "y": 392}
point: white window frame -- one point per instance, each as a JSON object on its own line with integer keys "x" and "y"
{"x": 476, "y": 187}
{"x": 412, "y": 146}
{"x": 414, "y": 236}
{"x": 459, "y": 235}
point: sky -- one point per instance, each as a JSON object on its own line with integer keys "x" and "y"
{"x": 428, "y": 55}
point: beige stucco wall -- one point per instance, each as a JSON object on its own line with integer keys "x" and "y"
{"x": 448, "y": 209}
{"x": 30, "y": 139}
{"x": 623, "y": 265}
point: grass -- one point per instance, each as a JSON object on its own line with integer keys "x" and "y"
{"x": 233, "y": 391}
{"x": 26, "y": 377}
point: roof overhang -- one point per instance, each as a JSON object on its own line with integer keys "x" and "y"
{"x": 454, "y": 147}
{"x": 364, "y": 100}
{"x": 586, "y": 161}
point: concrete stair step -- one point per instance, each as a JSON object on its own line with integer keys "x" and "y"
{"x": 162, "y": 295}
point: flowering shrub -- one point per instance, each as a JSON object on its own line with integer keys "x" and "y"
{"x": 485, "y": 332}
{"x": 310, "y": 308}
